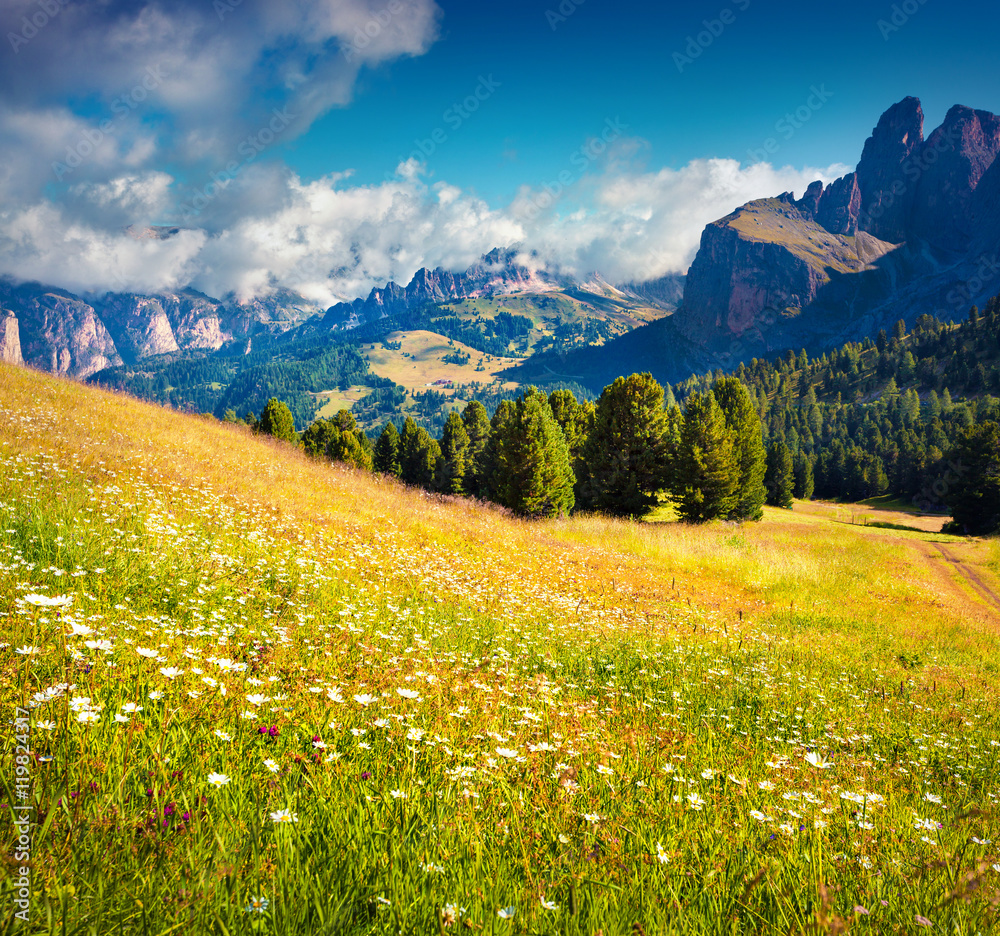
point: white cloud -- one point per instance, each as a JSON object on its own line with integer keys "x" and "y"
{"x": 331, "y": 240}
{"x": 183, "y": 80}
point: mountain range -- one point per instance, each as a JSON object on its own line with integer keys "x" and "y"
{"x": 914, "y": 229}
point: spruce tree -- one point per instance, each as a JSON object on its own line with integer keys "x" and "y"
{"x": 577, "y": 423}
{"x": 625, "y": 457}
{"x": 779, "y": 477}
{"x": 805, "y": 481}
{"x": 407, "y": 451}
{"x": 748, "y": 443}
{"x": 477, "y": 426}
{"x": 973, "y": 490}
{"x": 706, "y": 470}
{"x": 419, "y": 459}
{"x": 316, "y": 437}
{"x": 454, "y": 448}
{"x": 527, "y": 458}
{"x": 276, "y": 420}
{"x": 386, "y": 458}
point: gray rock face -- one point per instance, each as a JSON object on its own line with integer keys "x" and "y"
{"x": 10, "y": 339}
{"x": 138, "y": 325}
{"x": 63, "y": 335}
{"x": 915, "y": 229}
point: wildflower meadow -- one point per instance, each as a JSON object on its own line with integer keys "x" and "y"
{"x": 263, "y": 694}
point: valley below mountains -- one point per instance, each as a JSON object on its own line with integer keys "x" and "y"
{"x": 914, "y": 230}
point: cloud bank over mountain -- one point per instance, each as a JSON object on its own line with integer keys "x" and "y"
{"x": 120, "y": 114}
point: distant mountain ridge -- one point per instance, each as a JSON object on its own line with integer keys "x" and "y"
{"x": 63, "y": 333}
{"x": 496, "y": 273}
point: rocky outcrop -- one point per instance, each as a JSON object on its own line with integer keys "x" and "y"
{"x": 138, "y": 325}
{"x": 760, "y": 268}
{"x": 916, "y": 228}
{"x": 10, "y": 338}
{"x": 495, "y": 274}
{"x": 64, "y": 335}
{"x": 948, "y": 171}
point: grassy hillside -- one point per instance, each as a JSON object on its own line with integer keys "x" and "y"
{"x": 265, "y": 694}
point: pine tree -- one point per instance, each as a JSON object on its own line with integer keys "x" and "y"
{"x": 407, "y": 451}
{"x": 386, "y": 458}
{"x": 477, "y": 427}
{"x": 805, "y": 481}
{"x": 316, "y": 437}
{"x": 973, "y": 490}
{"x": 527, "y": 458}
{"x": 748, "y": 443}
{"x": 625, "y": 457}
{"x": 276, "y": 420}
{"x": 779, "y": 477}
{"x": 454, "y": 448}
{"x": 705, "y": 473}
{"x": 419, "y": 458}
{"x": 577, "y": 423}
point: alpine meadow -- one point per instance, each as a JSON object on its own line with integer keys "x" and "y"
{"x": 521, "y": 469}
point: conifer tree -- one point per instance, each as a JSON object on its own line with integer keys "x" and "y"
{"x": 779, "y": 478}
{"x": 748, "y": 444}
{"x": 477, "y": 426}
{"x": 805, "y": 480}
{"x": 974, "y": 489}
{"x": 527, "y": 458}
{"x": 276, "y": 420}
{"x": 454, "y": 449}
{"x": 386, "y": 457}
{"x": 705, "y": 473}
{"x": 420, "y": 455}
{"x": 625, "y": 457}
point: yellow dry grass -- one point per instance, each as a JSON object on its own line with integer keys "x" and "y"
{"x": 420, "y": 361}
{"x": 867, "y": 592}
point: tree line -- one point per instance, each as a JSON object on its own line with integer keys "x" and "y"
{"x": 547, "y": 455}
{"x": 878, "y": 417}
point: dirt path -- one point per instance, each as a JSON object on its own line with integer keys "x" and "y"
{"x": 960, "y": 586}
{"x": 980, "y": 587}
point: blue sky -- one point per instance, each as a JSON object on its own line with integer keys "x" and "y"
{"x": 609, "y": 59}
{"x": 331, "y": 145}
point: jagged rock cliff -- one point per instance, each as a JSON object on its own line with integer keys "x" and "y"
{"x": 10, "y": 339}
{"x": 908, "y": 232}
{"x": 62, "y": 334}
{"x": 65, "y": 334}
{"x": 496, "y": 273}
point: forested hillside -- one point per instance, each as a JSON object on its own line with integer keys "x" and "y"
{"x": 878, "y": 417}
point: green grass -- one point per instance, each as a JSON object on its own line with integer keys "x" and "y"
{"x": 470, "y": 713}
